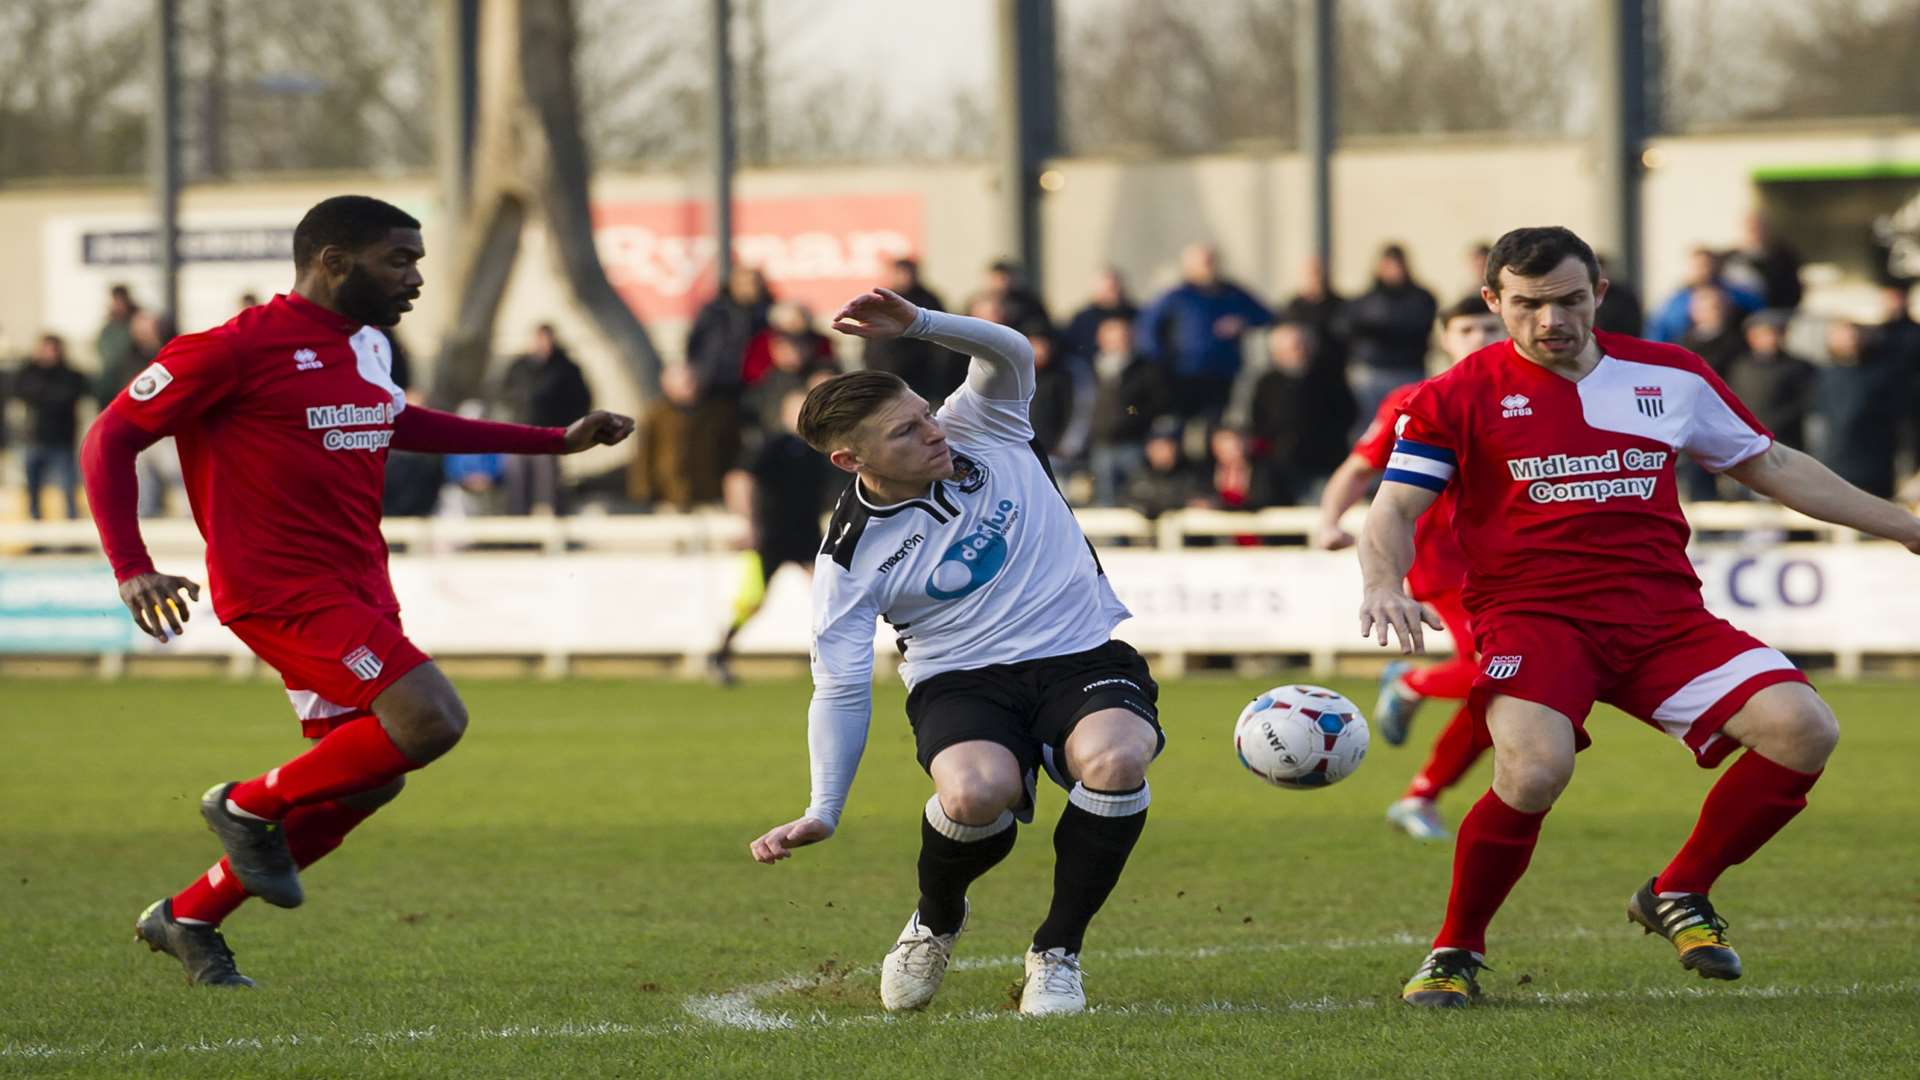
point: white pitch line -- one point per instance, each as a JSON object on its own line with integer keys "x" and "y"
{"x": 737, "y": 1008}
{"x": 601, "y": 1029}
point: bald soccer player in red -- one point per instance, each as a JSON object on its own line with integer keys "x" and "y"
{"x": 283, "y": 417}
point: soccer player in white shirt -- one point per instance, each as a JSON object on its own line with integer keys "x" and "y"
{"x": 954, "y": 532}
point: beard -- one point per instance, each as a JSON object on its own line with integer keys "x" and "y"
{"x": 360, "y": 298}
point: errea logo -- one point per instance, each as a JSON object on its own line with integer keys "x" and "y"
{"x": 1515, "y": 405}
{"x": 306, "y": 360}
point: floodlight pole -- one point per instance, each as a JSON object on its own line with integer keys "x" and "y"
{"x": 1626, "y": 66}
{"x": 1314, "y": 64}
{"x": 723, "y": 148}
{"x": 1028, "y": 122}
{"x": 163, "y": 155}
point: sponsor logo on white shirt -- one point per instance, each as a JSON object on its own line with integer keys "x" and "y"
{"x": 1515, "y": 405}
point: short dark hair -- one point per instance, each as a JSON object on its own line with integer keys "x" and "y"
{"x": 1470, "y": 306}
{"x": 1536, "y": 250}
{"x": 835, "y": 407}
{"x": 346, "y": 221}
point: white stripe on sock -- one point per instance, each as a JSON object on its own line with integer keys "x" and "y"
{"x": 241, "y": 811}
{"x": 1124, "y": 804}
{"x": 966, "y": 834}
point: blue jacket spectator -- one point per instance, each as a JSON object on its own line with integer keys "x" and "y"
{"x": 1673, "y": 318}
{"x": 1195, "y": 331}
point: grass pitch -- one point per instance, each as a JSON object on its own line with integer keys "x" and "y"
{"x": 569, "y": 893}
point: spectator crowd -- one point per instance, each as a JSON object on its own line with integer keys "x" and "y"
{"x": 1205, "y": 395}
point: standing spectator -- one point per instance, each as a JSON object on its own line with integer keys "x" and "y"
{"x": 931, "y": 371}
{"x": 158, "y": 466}
{"x": 413, "y": 478}
{"x": 1167, "y": 483}
{"x": 1778, "y": 386}
{"x": 716, "y": 357}
{"x": 1620, "y": 311}
{"x": 792, "y": 321}
{"x": 543, "y": 387}
{"x": 1766, "y": 264}
{"x": 1703, "y": 271}
{"x": 1390, "y": 326}
{"x": 1896, "y": 340}
{"x": 472, "y": 481}
{"x": 119, "y": 360}
{"x": 51, "y": 391}
{"x": 1476, "y": 262}
{"x": 1195, "y": 330}
{"x": 1231, "y": 480}
{"x": 1130, "y": 395}
{"x": 1062, "y": 407}
{"x": 1109, "y": 300}
{"x": 1298, "y": 417}
{"x": 1859, "y": 402}
{"x": 794, "y": 360}
{"x": 1020, "y": 306}
{"x": 1322, "y": 312}
{"x": 1715, "y": 330}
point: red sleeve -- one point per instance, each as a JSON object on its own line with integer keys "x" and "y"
{"x": 113, "y": 490}
{"x": 1424, "y": 419}
{"x": 1376, "y": 443}
{"x": 433, "y": 432}
{"x": 192, "y": 374}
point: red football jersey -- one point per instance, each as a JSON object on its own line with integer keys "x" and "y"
{"x": 283, "y": 417}
{"x": 1565, "y": 496}
{"x": 1438, "y": 564}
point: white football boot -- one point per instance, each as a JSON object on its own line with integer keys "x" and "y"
{"x": 1053, "y": 986}
{"x": 915, "y": 966}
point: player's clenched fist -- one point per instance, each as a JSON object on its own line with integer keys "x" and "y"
{"x": 773, "y": 846}
{"x": 1383, "y": 608}
{"x": 597, "y": 428}
{"x": 156, "y": 597}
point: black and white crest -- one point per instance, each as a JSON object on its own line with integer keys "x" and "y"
{"x": 1652, "y": 404}
{"x": 968, "y": 475}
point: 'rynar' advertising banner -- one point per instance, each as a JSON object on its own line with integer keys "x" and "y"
{"x": 815, "y": 251}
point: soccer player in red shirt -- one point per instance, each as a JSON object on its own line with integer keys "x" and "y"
{"x": 1438, "y": 570}
{"x": 1559, "y": 447}
{"x": 283, "y": 417}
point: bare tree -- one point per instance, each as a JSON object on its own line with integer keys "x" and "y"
{"x": 72, "y": 76}
{"x": 529, "y": 158}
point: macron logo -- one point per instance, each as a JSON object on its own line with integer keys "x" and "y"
{"x": 1515, "y": 405}
{"x": 305, "y": 360}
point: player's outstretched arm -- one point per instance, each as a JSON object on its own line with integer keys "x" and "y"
{"x": 1386, "y": 554}
{"x": 430, "y": 431}
{"x": 837, "y": 722}
{"x": 1797, "y": 480}
{"x": 1002, "y": 368}
{"x": 158, "y": 602}
{"x": 1343, "y": 489}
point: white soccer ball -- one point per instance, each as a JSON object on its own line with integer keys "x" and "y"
{"x": 1300, "y": 737}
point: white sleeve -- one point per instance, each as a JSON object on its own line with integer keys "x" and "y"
{"x": 1720, "y": 432}
{"x": 1002, "y": 368}
{"x": 842, "y": 706}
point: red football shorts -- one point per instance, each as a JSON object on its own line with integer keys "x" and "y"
{"x": 1684, "y": 675}
{"x": 335, "y": 658}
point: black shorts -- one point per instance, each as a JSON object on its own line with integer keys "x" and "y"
{"x": 1032, "y": 706}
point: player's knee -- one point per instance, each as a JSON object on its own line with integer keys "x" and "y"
{"x": 978, "y": 800}
{"x": 1810, "y": 733}
{"x": 446, "y": 725}
{"x": 1116, "y": 767}
{"x": 1531, "y": 785}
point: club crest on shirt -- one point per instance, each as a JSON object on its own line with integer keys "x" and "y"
{"x": 1649, "y": 401}
{"x": 363, "y": 663}
{"x": 968, "y": 475}
{"x": 1503, "y": 667}
{"x": 149, "y": 382}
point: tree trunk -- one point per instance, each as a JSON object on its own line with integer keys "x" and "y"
{"x": 529, "y": 157}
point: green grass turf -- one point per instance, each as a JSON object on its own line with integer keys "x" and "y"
{"x": 564, "y": 893}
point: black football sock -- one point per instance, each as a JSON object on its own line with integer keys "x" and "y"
{"x": 1096, "y": 833}
{"x": 952, "y": 857}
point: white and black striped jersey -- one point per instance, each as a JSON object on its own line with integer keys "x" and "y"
{"x": 988, "y": 567}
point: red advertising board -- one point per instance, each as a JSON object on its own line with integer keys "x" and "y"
{"x": 815, "y": 251}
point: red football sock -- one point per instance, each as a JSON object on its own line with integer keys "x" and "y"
{"x": 1453, "y": 754}
{"x": 354, "y": 757}
{"x": 1493, "y": 849}
{"x": 1753, "y": 800}
{"x": 212, "y": 897}
{"x": 312, "y": 832}
{"x": 1452, "y": 679}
